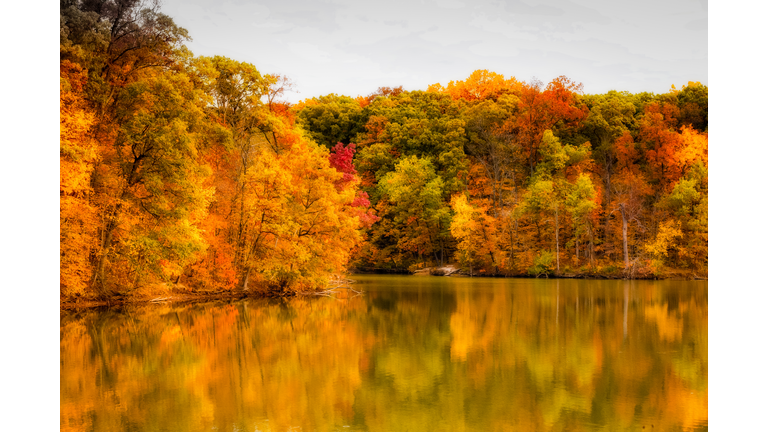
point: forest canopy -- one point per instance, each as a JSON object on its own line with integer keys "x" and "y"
{"x": 192, "y": 170}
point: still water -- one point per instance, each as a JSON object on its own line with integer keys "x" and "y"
{"x": 410, "y": 354}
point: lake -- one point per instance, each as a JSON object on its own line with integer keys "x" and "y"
{"x": 409, "y": 354}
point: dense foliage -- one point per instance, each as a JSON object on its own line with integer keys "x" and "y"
{"x": 184, "y": 169}
{"x": 508, "y": 177}
{"x": 187, "y": 169}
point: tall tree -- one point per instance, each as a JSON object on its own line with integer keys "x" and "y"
{"x": 151, "y": 185}
{"x": 610, "y": 116}
{"x": 475, "y": 233}
{"x": 630, "y": 192}
{"x": 301, "y": 227}
{"x": 419, "y": 210}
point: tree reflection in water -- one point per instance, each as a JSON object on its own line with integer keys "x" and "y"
{"x": 411, "y": 354}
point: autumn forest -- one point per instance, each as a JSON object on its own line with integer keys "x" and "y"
{"x": 192, "y": 171}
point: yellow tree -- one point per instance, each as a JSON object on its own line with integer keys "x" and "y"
{"x": 688, "y": 199}
{"x": 419, "y": 211}
{"x": 552, "y": 197}
{"x": 150, "y": 183}
{"x": 300, "y": 226}
{"x": 580, "y": 204}
{"x": 666, "y": 238}
{"x": 235, "y": 90}
{"x": 476, "y": 233}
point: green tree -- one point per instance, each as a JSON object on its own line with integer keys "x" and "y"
{"x": 580, "y": 203}
{"x": 688, "y": 202}
{"x": 331, "y": 119}
{"x": 423, "y": 124}
{"x": 419, "y": 210}
{"x": 550, "y": 192}
{"x": 693, "y": 101}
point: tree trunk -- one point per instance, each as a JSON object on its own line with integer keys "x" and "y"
{"x": 245, "y": 279}
{"x": 431, "y": 243}
{"x": 100, "y": 268}
{"x": 99, "y": 274}
{"x": 511, "y": 247}
{"x": 608, "y": 169}
{"x": 591, "y": 247}
{"x": 538, "y": 231}
{"x": 442, "y": 250}
{"x": 624, "y": 235}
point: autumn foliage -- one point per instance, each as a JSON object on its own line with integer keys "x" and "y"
{"x": 191, "y": 171}
{"x": 524, "y": 178}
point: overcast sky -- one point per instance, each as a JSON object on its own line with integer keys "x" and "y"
{"x": 352, "y": 47}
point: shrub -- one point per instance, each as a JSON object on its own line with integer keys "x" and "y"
{"x": 657, "y": 267}
{"x": 543, "y": 264}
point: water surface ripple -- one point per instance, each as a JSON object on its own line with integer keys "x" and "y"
{"x": 411, "y": 354}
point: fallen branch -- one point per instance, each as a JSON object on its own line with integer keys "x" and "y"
{"x": 330, "y": 291}
{"x": 348, "y": 288}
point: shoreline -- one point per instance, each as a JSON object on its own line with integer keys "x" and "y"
{"x": 453, "y": 271}
{"x": 120, "y": 300}
{"x": 69, "y": 304}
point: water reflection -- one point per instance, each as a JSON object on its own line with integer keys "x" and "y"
{"x": 411, "y": 354}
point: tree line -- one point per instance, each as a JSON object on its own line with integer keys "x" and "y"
{"x": 192, "y": 170}
{"x": 512, "y": 177}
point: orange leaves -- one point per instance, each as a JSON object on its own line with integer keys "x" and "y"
{"x": 78, "y": 154}
{"x": 661, "y": 142}
{"x": 625, "y": 151}
{"x": 375, "y": 128}
{"x": 670, "y": 153}
{"x": 299, "y": 225}
{"x": 217, "y": 268}
{"x": 694, "y": 147}
{"x": 561, "y": 101}
{"x": 480, "y": 85}
{"x": 364, "y": 102}
{"x": 77, "y": 149}
{"x": 555, "y": 107}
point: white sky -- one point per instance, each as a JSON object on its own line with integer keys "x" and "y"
{"x": 352, "y": 47}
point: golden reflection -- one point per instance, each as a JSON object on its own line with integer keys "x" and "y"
{"x": 437, "y": 354}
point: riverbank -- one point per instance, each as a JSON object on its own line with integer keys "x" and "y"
{"x": 167, "y": 293}
{"x": 609, "y": 272}
{"x": 75, "y": 303}
{"x": 179, "y": 293}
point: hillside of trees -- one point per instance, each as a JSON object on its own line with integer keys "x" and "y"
{"x": 192, "y": 171}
